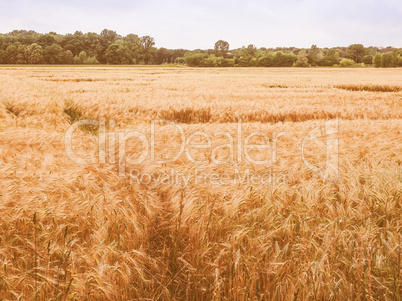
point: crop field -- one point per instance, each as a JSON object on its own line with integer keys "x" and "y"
{"x": 177, "y": 183}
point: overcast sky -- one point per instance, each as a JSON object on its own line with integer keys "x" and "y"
{"x": 199, "y": 24}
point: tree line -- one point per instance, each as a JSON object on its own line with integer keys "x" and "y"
{"x": 355, "y": 55}
{"x": 108, "y": 47}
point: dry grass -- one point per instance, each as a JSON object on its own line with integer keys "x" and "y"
{"x": 74, "y": 232}
{"x": 370, "y": 88}
{"x": 186, "y": 115}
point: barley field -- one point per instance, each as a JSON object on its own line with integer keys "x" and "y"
{"x": 86, "y": 219}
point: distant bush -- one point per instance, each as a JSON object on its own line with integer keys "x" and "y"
{"x": 369, "y": 88}
{"x": 347, "y": 63}
{"x": 91, "y": 61}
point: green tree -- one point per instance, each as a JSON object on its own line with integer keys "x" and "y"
{"x": 284, "y": 60}
{"x": 250, "y": 50}
{"x": 302, "y": 60}
{"x": 92, "y": 44}
{"x": 125, "y": 55}
{"x": 244, "y": 61}
{"x": 54, "y": 54}
{"x": 312, "y": 55}
{"x": 195, "y": 59}
{"x": 133, "y": 39}
{"x": 118, "y": 53}
{"x": 108, "y": 36}
{"x": 331, "y": 58}
{"x": 377, "y": 60}
{"x": 147, "y": 47}
{"x": 112, "y": 56}
{"x": 22, "y": 57}
{"x": 388, "y": 60}
{"x": 254, "y": 62}
{"x": 131, "y": 51}
{"x": 266, "y": 60}
{"x": 91, "y": 61}
{"x": 211, "y": 61}
{"x": 399, "y": 60}
{"x": 35, "y": 54}
{"x": 163, "y": 55}
{"x": 46, "y": 40}
{"x": 74, "y": 43}
{"x": 356, "y": 52}
{"x": 347, "y": 63}
{"x": 368, "y": 59}
{"x": 68, "y": 57}
{"x": 11, "y": 54}
{"x": 320, "y": 58}
{"x": 82, "y": 56}
{"x": 177, "y": 53}
{"x": 3, "y": 57}
{"x": 221, "y": 48}
{"x": 230, "y": 62}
